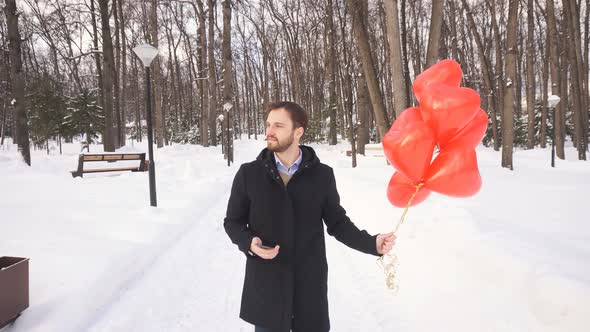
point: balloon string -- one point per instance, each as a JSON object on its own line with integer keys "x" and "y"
{"x": 407, "y": 207}
{"x": 390, "y": 269}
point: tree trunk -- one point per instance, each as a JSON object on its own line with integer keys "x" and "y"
{"x": 453, "y": 27}
{"x": 97, "y": 59}
{"x": 156, "y": 74}
{"x": 212, "y": 75}
{"x": 331, "y": 72}
{"x": 17, "y": 80}
{"x": 228, "y": 106}
{"x": 577, "y": 69}
{"x": 544, "y": 102}
{"x": 202, "y": 77}
{"x": 361, "y": 36}
{"x": 554, "y": 61}
{"x": 564, "y": 92}
{"x": 404, "y": 41}
{"x": 107, "y": 51}
{"x": 436, "y": 20}
{"x": 116, "y": 86}
{"x": 3, "y": 128}
{"x": 499, "y": 72}
{"x": 586, "y": 68}
{"x": 487, "y": 75}
{"x": 508, "y": 118}
{"x": 530, "y": 77}
{"x": 397, "y": 71}
{"x": 123, "y": 73}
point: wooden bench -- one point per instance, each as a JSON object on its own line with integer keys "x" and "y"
{"x": 110, "y": 157}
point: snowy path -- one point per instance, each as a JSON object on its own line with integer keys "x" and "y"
{"x": 196, "y": 285}
{"x": 174, "y": 294}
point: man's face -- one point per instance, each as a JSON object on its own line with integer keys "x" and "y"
{"x": 280, "y": 134}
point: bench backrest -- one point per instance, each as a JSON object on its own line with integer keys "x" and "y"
{"x": 112, "y": 157}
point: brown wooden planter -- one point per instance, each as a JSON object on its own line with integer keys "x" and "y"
{"x": 14, "y": 288}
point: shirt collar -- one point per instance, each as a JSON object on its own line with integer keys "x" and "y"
{"x": 295, "y": 164}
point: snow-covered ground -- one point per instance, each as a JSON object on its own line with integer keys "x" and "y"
{"x": 515, "y": 257}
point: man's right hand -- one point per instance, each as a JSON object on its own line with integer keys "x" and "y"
{"x": 256, "y": 247}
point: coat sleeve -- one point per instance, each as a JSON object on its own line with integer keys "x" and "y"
{"x": 339, "y": 225}
{"x": 236, "y": 218}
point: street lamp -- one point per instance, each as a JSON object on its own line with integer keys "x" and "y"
{"x": 220, "y": 118}
{"x": 552, "y": 102}
{"x": 146, "y": 53}
{"x": 227, "y": 107}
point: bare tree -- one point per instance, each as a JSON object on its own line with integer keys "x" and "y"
{"x": 107, "y": 51}
{"x": 436, "y": 20}
{"x": 97, "y": 54}
{"x": 554, "y": 65}
{"x": 331, "y": 71}
{"x": 123, "y": 72}
{"x": 530, "y": 76}
{"x": 361, "y": 36}
{"x": 487, "y": 74}
{"x": 393, "y": 38}
{"x": 158, "y": 114}
{"x": 18, "y": 83}
{"x": 508, "y": 118}
{"x": 572, "y": 20}
{"x": 228, "y": 104}
{"x": 202, "y": 80}
{"x": 212, "y": 75}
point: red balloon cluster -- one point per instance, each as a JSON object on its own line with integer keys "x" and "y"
{"x": 448, "y": 116}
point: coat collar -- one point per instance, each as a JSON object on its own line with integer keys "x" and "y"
{"x": 267, "y": 158}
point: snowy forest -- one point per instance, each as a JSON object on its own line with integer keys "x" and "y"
{"x": 68, "y": 73}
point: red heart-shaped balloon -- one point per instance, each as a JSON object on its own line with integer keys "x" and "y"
{"x": 447, "y": 72}
{"x": 409, "y": 115}
{"x": 409, "y": 149}
{"x": 470, "y": 136}
{"x": 454, "y": 172}
{"x": 448, "y": 109}
{"x": 401, "y": 189}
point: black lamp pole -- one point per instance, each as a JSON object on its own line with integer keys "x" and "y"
{"x": 152, "y": 165}
{"x": 146, "y": 54}
{"x": 553, "y": 140}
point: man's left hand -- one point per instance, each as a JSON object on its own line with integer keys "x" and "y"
{"x": 385, "y": 242}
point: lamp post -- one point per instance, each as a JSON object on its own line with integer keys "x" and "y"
{"x": 229, "y": 138}
{"x": 147, "y": 53}
{"x": 552, "y": 102}
{"x": 220, "y": 118}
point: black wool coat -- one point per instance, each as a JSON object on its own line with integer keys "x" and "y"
{"x": 289, "y": 291}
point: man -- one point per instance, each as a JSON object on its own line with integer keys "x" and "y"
{"x": 274, "y": 215}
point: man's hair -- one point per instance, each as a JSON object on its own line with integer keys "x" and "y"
{"x": 297, "y": 113}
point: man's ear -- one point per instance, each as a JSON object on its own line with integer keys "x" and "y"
{"x": 299, "y": 132}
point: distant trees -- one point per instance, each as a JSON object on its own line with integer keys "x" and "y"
{"x": 350, "y": 63}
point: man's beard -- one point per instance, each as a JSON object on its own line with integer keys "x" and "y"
{"x": 275, "y": 145}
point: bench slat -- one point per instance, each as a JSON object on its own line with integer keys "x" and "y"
{"x": 97, "y": 170}
{"x": 92, "y": 158}
{"x": 133, "y": 156}
{"x": 113, "y": 157}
